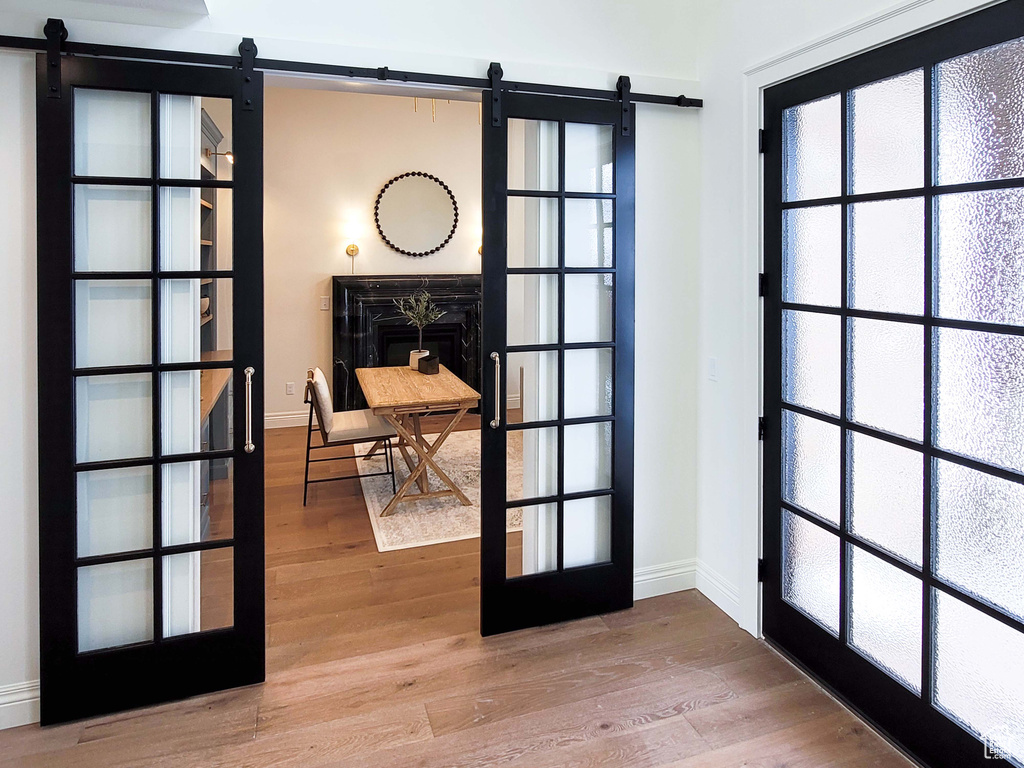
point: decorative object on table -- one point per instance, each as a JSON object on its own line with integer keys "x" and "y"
{"x": 416, "y": 214}
{"x": 421, "y": 312}
{"x": 429, "y": 364}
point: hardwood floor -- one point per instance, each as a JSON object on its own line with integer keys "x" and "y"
{"x": 375, "y": 660}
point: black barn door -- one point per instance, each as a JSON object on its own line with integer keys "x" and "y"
{"x": 894, "y": 385}
{"x": 150, "y": 243}
{"x": 557, "y": 540}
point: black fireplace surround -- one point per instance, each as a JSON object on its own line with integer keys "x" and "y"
{"x": 368, "y": 331}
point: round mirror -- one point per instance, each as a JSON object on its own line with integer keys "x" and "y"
{"x": 416, "y": 214}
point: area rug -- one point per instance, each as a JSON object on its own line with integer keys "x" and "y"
{"x": 433, "y": 521}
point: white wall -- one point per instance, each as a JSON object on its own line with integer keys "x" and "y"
{"x": 576, "y": 42}
{"x": 19, "y": 562}
{"x": 747, "y": 45}
{"x": 326, "y": 157}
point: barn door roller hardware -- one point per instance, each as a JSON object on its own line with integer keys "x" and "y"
{"x": 247, "y": 48}
{"x": 494, "y": 74}
{"x": 622, "y": 86}
{"x": 56, "y": 33}
{"x": 54, "y": 44}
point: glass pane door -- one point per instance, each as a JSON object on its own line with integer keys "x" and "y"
{"x": 148, "y": 503}
{"x": 557, "y": 518}
{"x": 894, "y": 462}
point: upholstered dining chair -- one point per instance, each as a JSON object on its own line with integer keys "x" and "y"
{"x": 343, "y": 428}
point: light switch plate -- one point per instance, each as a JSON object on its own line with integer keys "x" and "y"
{"x": 325, "y": 303}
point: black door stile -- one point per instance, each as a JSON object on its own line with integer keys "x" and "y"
{"x": 566, "y": 593}
{"x": 909, "y": 718}
{"x": 80, "y": 684}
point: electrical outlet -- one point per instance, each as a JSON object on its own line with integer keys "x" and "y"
{"x": 289, "y": 388}
{"x": 325, "y": 303}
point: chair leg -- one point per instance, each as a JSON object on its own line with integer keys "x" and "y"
{"x": 309, "y": 441}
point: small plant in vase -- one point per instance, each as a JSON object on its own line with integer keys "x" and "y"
{"x": 420, "y": 311}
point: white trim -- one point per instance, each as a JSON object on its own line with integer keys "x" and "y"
{"x": 718, "y": 590}
{"x": 19, "y": 704}
{"x": 654, "y": 580}
{"x": 286, "y": 419}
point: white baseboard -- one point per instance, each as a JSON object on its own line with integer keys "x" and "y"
{"x": 655, "y": 580}
{"x": 286, "y": 419}
{"x": 718, "y": 590}
{"x": 19, "y": 704}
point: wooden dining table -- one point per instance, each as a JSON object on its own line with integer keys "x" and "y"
{"x": 402, "y": 396}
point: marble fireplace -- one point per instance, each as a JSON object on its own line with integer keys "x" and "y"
{"x": 368, "y": 331}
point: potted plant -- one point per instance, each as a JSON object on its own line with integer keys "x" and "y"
{"x": 421, "y": 312}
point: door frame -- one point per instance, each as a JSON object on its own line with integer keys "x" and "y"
{"x": 927, "y": 734}
{"x": 75, "y": 685}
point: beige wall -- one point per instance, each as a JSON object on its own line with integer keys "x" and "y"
{"x": 327, "y": 155}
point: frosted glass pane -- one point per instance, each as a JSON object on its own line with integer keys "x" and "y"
{"x": 589, "y": 233}
{"x": 113, "y": 417}
{"x": 887, "y": 134}
{"x": 115, "y": 604}
{"x": 199, "y": 591}
{"x": 980, "y": 256}
{"x": 885, "y": 616}
{"x": 115, "y": 510}
{"x": 198, "y": 501}
{"x": 532, "y": 308}
{"x": 531, "y": 386}
{"x": 588, "y": 531}
{"x": 810, "y": 570}
{"x": 113, "y": 323}
{"x": 980, "y": 395}
{"x": 979, "y": 534}
{"x": 532, "y": 154}
{"x": 589, "y": 307}
{"x": 886, "y": 506}
{"x": 588, "y": 382}
{"x": 536, "y": 451}
{"x": 112, "y": 133}
{"x": 532, "y": 232}
{"x": 810, "y": 150}
{"x": 810, "y": 255}
{"x": 887, "y": 256}
{"x": 979, "y": 678}
{"x": 531, "y": 540}
{"x": 588, "y": 457}
{"x": 197, "y": 411}
{"x": 887, "y": 376}
{"x": 589, "y": 158}
{"x": 180, "y": 132}
{"x": 113, "y": 229}
{"x": 810, "y": 465}
{"x": 810, "y": 360}
{"x": 979, "y": 117}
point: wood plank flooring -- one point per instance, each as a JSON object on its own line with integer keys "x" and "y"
{"x": 375, "y": 660}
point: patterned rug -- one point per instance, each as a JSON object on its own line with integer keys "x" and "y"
{"x": 433, "y": 521}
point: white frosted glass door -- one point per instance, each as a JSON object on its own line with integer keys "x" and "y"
{"x": 894, "y": 385}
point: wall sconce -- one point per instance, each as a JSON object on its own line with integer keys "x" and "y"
{"x": 351, "y": 232}
{"x": 229, "y": 156}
